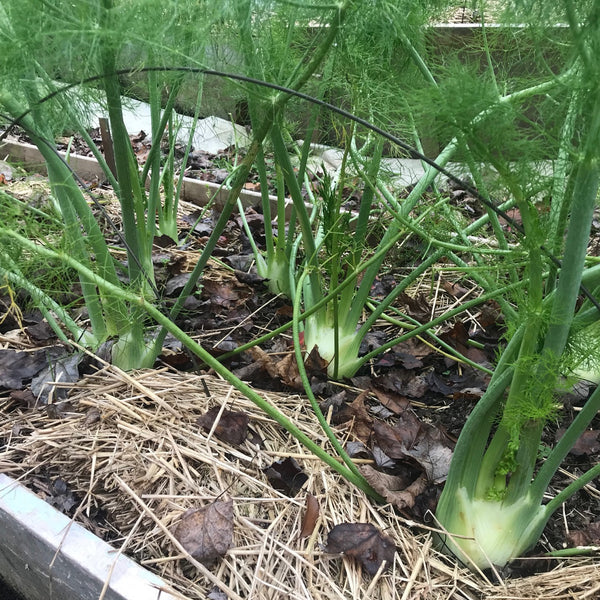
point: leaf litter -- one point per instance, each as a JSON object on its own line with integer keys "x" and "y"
{"x": 207, "y": 532}
{"x": 364, "y": 543}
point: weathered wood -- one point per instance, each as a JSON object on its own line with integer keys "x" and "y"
{"x": 193, "y": 190}
{"x": 43, "y": 555}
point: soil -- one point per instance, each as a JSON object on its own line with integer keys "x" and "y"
{"x": 7, "y": 593}
{"x": 233, "y": 306}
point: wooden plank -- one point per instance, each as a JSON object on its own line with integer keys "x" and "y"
{"x": 193, "y": 190}
{"x": 43, "y": 554}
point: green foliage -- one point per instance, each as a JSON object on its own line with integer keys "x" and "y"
{"x": 373, "y": 55}
{"x": 34, "y": 219}
{"x": 499, "y": 474}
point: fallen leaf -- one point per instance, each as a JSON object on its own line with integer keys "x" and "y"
{"x": 454, "y": 289}
{"x": 175, "y": 284}
{"x": 587, "y": 444}
{"x": 395, "y": 441}
{"x": 249, "y": 278}
{"x": 356, "y": 449}
{"x": 422, "y": 442}
{"x": 417, "y": 387}
{"x": 225, "y": 293}
{"x": 438, "y": 384}
{"x": 286, "y": 476}
{"x": 62, "y": 498}
{"x": 362, "y": 542}
{"x": 361, "y": 424}
{"x": 232, "y": 427}
{"x": 163, "y": 241}
{"x": 394, "y": 402}
{"x": 207, "y": 532}
{"x": 468, "y": 394}
{"x": 23, "y": 397}
{"x": 411, "y": 352}
{"x": 515, "y": 219}
{"x": 457, "y": 337}
{"x": 315, "y": 363}
{"x": 285, "y": 369}
{"x": 382, "y": 460}
{"x": 254, "y": 186}
{"x": 136, "y": 138}
{"x": 395, "y": 489}
{"x": 417, "y": 307}
{"x": 17, "y": 366}
{"x": 40, "y": 332}
{"x": 62, "y": 371}
{"x": 490, "y": 314}
{"x": 309, "y": 519}
{"x": 590, "y": 536}
{"x": 216, "y": 594}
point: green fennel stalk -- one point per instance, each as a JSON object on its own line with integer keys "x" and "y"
{"x": 492, "y": 495}
{"x": 143, "y": 304}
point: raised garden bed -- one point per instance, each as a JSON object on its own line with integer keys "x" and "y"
{"x": 126, "y": 455}
{"x": 185, "y": 472}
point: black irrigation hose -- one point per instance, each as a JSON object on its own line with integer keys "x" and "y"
{"x": 413, "y": 152}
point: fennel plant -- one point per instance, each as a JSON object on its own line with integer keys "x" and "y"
{"x": 103, "y": 29}
{"x": 493, "y": 507}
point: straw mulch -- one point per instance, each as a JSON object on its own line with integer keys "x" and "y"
{"x": 130, "y": 445}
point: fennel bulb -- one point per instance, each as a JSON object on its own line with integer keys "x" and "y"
{"x": 341, "y": 354}
{"x": 486, "y": 533}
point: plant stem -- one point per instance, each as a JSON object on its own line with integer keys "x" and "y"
{"x": 564, "y": 445}
{"x": 307, "y": 389}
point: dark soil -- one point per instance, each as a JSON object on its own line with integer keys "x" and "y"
{"x": 7, "y": 593}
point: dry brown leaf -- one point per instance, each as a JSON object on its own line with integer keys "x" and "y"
{"x": 362, "y": 542}
{"x": 394, "y": 488}
{"x": 252, "y": 185}
{"x": 286, "y": 475}
{"x": 309, "y": 519}
{"x": 17, "y": 366}
{"x": 228, "y": 293}
{"x": 285, "y": 369}
{"x": 587, "y": 444}
{"x": 411, "y": 438}
{"x": 356, "y": 413}
{"x": 454, "y": 289}
{"x": 231, "y": 428}
{"x": 207, "y": 532}
{"x": 411, "y": 352}
{"x": 590, "y": 536}
{"x": 417, "y": 307}
{"x": 394, "y": 402}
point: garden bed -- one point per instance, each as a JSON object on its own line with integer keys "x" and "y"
{"x": 356, "y": 393}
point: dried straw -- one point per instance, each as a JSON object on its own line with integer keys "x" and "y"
{"x": 131, "y": 448}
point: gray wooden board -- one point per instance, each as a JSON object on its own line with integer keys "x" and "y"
{"x": 195, "y": 191}
{"x": 44, "y": 555}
